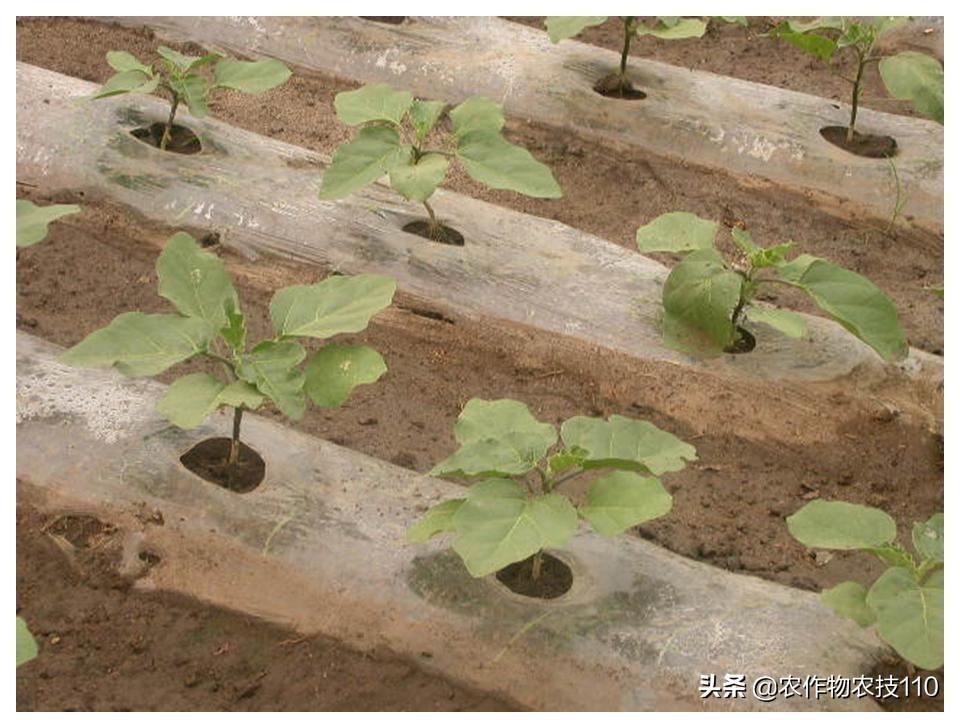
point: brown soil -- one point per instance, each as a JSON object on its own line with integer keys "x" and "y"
{"x": 556, "y": 578}
{"x": 445, "y": 235}
{"x": 106, "y": 647}
{"x": 608, "y": 191}
{"x": 182, "y": 140}
{"x": 208, "y": 459}
{"x": 864, "y": 145}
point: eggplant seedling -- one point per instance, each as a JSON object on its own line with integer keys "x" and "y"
{"x": 182, "y": 78}
{"x": 393, "y": 140}
{"x": 906, "y": 601}
{"x": 516, "y": 511}
{"x": 617, "y": 84}
{"x": 210, "y": 324}
{"x": 33, "y": 221}
{"x": 707, "y": 298}
{"x": 908, "y": 75}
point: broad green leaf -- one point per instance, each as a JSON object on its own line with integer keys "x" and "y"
{"x": 668, "y": 20}
{"x": 26, "y": 644}
{"x": 621, "y": 442}
{"x": 563, "y": 27}
{"x": 193, "y": 91}
{"x": 821, "y": 23}
{"x": 195, "y": 281}
{"x": 883, "y": 24}
{"x": 241, "y": 394}
{"x": 335, "y": 370}
{"x": 894, "y": 555}
{"x": 250, "y": 77}
{"x": 855, "y": 34}
{"x": 128, "y": 81}
{"x": 476, "y": 113}
{"x": 818, "y": 45}
{"x": 566, "y": 459}
{"x": 190, "y": 399}
{"x": 339, "y": 304}
{"x": 676, "y": 232}
{"x": 853, "y": 301}
{"x": 928, "y": 538}
{"x": 185, "y": 63}
{"x": 744, "y": 240}
{"x": 122, "y": 61}
{"x": 235, "y": 330}
{"x": 699, "y": 298}
{"x": 791, "y": 324}
{"x": 498, "y": 525}
{"x": 849, "y": 599}
{"x": 139, "y": 345}
{"x": 735, "y": 19}
{"x": 363, "y": 160}
{"x": 498, "y": 437}
{"x": 910, "y": 615}
{"x": 33, "y": 220}
{"x": 838, "y": 525}
{"x": 620, "y": 500}
{"x": 424, "y": 115}
{"x": 272, "y": 367}
{"x": 371, "y": 103}
{"x": 916, "y": 77}
{"x": 438, "y": 519}
{"x": 419, "y": 181}
{"x": 681, "y": 30}
{"x": 490, "y": 159}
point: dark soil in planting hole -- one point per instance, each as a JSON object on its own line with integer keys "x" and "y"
{"x": 609, "y": 190}
{"x": 387, "y": 19}
{"x": 182, "y": 140}
{"x": 613, "y": 87}
{"x": 863, "y": 144}
{"x": 107, "y": 647}
{"x": 208, "y": 459}
{"x": 555, "y": 579}
{"x": 745, "y": 342}
{"x": 446, "y": 236}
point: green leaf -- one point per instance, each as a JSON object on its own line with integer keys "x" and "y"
{"x": 241, "y": 394}
{"x": 699, "y": 298}
{"x": 128, "y": 81}
{"x": 498, "y": 525}
{"x": 339, "y": 304}
{"x": 566, "y": 459}
{"x": 681, "y": 30}
{"x": 498, "y": 437}
{"x": 797, "y": 35}
{"x": 627, "y": 444}
{"x": 185, "y": 63}
{"x": 371, "y": 103}
{"x": 196, "y": 282}
{"x": 492, "y": 160}
{"x": 853, "y": 301}
{"x": 424, "y": 115}
{"x": 419, "y": 181}
{"x": 33, "y": 220}
{"x": 139, "y": 345}
{"x": 26, "y": 644}
{"x": 250, "y": 77}
{"x": 676, "y": 232}
{"x": 734, "y": 19}
{"x": 849, "y": 599}
{"x": 190, "y": 399}
{"x": 438, "y": 519}
{"x": 476, "y": 113}
{"x": 272, "y": 367}
{"x": 916, "y": 77}
{"x": 122, "y": 61}
{"x": 791, "y": 324}
{"x": 193, "y": 91}
{"x": 910, "y": 615}
{"x": 563, "y": 27}
{"x": 838, "y": 525}
{"x": 620, "y": 500}
{"x": 335, "y": 370}
{"x": 928, "y": 538}
{"x": 364, "y": 160}
{"x": 235, "y": 331}
{"x": 894, "y": 555}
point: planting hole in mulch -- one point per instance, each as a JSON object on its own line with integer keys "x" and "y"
{"x": 745, "y": 342}
{"x": 182, "y": 140}
{"x": 864, "y": 145}
{"x": 388, "y": 19}
{"x": 612, "y": 86}
{"x": 555, "y": 579}
{"x": 446, "y": 236}
{"x": 208, "y": 459}
{"x": 81, "y": 531}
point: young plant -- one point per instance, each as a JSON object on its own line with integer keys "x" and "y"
{"x": 706, "y": 298}
{"x": 210, "y": 324}
{"x": 26, "y": 644}
{"x": 908, "y": 75}
{"x": 184, "y": 80}
{"x": 617, "y": 83}
{"x": 906, "y": 602}
{"x": 516, "y": 512}
{"x": 393, "y": 140}
{"x": 33, "y": 221}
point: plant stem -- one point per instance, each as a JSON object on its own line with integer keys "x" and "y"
{"x": 855, "y": 100}
{"x": 168, "y": 129}
{"x": 433, "y": 224}
{"x": 235, "y": 440}
{"x": 537, "y": 567}
{"x": 627, "y": 37}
